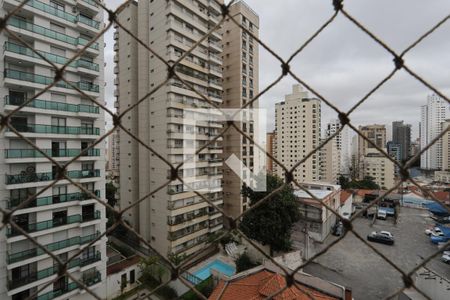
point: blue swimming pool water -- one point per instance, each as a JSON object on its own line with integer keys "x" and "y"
{"x": 217, "y": 265}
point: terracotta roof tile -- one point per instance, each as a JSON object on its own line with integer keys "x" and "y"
{"x": 344, "y": 196}
{"x": 262, "y": 284}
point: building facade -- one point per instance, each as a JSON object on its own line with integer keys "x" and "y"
{"x": 297, "y": 133}
{"x": 377, "y": 135}
{"x": 380, "y": 168}
{"x": 269, "y": 149}
{"x": 343, "y": 144}
{"x": 446, "y": 147}
{"x": 401, "y": 135}
{"x": 329, "y": 162}
{"x": 241, "y": 84}
{"x": 113, "y": 152}
{"x": 175, "y": 121}
{"x": 62, "y": 123}
{"x": 433, "y": 114}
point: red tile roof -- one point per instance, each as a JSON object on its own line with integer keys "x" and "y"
{"x": 442, "y": 196}
{"x": 363, "y": 192}
{"x": 262, "y": 284}
{"x": 344, "y": 196}
{"x": 117, "y": 267}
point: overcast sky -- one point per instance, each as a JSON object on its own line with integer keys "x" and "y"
{"x": 343, "y": 63}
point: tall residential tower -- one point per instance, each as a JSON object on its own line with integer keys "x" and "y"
{"x": 174, "y": 120}
{"x": 62, "y": 123}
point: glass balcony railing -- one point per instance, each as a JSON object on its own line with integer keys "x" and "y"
{"x": 46, "y": 80}
{"x": 47, "y": 176}
{"x": 44, "y": 225}
{"x": 55, "y": 199}
{"x": 57, "y": 59}
{"x": 62, "y": 14}
{"x": 51, "y": 129}
{"x": 91, "y": 2}
{"x": 28, "y": 26}
{"x": 32, "y": 153}
{"x": 53, "y": 294}
{"x": 77, "y": 240}
{"x": 52, "y": 105}
{"x": 56, "y": 222}
{"x": 92, "y": 279}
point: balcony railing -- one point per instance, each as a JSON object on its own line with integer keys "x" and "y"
{"x": 92, "y": 279}
{"x": 86, "y": 217}
{"x": 53, "y": 294}
{"x": 87, "y": 21}
{"x": 46, "y": 80}
{"x": 91, "y": 2}
{"x": 52, "y": 129}
{"x": 55, "y": 199}
{"x": 44, "y": 225}
{"x": 52, "y": 105}
{"x": 57, "y": 59}
{"x": 32, "y": 153}
{"x": 77, "y": 240}
{"x": 25, "y": 25}
{"x": 47, "y": 176}
{"x": 60, "y": 13}
{"x": 179, "y": 220}
{"x": 172, "y": 236}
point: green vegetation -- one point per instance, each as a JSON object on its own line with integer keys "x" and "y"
{"x": 271, "y": 222}
{"x": 367, "y": 183}
{"x": 244, "y": 263}
{"x": 205, "y": 287}
{"x": 153, "y": 273}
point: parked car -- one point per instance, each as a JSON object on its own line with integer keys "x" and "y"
{"x": 380, "y": 238}
{"x": 439, "y": 239}
{"x": 436, "y": 231}
{"x": 446, "y": 258}
{"x": 386, "y": 233}
{"x": 381, "y": 214}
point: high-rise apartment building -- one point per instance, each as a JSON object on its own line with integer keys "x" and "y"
{"x": 446, "y": 147}
{"x": 270, "y": 137}
{"x": 62, "y": 123}
{"x": 329, "y": 162}
{"x": 297, "y": 132}
{"x": 343, "y": 144}
{"x": 241, "y": 84}
{"x": 401, "y": 135}
{"x": 380, "y": 168}
{"x": 433, "y": 114}
{"x": 175, "y": 121}
{"x": 113, "y": 152}
{"x": 377, "y": 135}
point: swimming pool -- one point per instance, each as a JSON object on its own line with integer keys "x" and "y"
{"x": 217, "y": 265}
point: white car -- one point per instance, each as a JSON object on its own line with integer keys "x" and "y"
{"x": 434, "y": 231}
{"x": 446, "y": 258}
{"x": 386, "y": 233}
{"x": 446, "y": 253}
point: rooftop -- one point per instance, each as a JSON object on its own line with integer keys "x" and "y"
{"x": 320, "y": 194}
{"x": 261, "y": 285}
{"x": 344, "y": 196}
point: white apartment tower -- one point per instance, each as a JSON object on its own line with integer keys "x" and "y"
{"x": 343, "y": 145}
{"x": 433, "y": 114}
{"x": 297, "y": 133}
{"x": 62, "y": 123}
{"x": 241, "y": 73}
{"x": 113, "y": 152}
{"x": 174, "y": 121}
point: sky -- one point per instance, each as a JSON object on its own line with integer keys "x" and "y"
{"x": 343, "y": 63}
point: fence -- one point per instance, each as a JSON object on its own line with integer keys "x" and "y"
{"x": 61, "y": 172}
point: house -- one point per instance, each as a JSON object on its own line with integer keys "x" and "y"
{"x": 316, "y": 219}
{"x": 346, "y": 204}
{"x": 264, "y": 281}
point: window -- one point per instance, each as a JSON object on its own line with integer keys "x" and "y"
{"x": 57, "y": 28}
{"x": 132, "y": 276}
{"x": 57, "y": 5}
{"x": 57, "y": 51}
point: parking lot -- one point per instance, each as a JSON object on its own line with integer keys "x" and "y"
{"x": 352, "y": 264}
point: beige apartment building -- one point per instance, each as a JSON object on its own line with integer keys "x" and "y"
{"x": 240, "y": 84}
{"x": 63, "y": 124}
{"x": 330, "y": 162}
{"x": 174, "y": 121}
{"x": 113, "y": 152}
{"x": 376, "y": 134}
{"x": 269, "y": 149}
{"x": 378, "y": 166}
{"x": 297, "y": 133}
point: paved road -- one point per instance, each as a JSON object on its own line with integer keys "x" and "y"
{"x": 353, "y": 264}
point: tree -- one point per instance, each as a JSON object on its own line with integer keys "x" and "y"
{"x": 243, "y": 263}
{"x": 111, "y": 194}
{"x": 271, "y": 222}
{"x": 366, "y": 183}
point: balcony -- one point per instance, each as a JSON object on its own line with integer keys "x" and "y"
{"x": 182, "y": 219}
{"x": 77, "y": 240}
{"x": 60, "y": 13}
{"x": 55, "y": 199}
{"x": 48, "y": 33}
{"x": 57, "y": 59}
{"x": 52, "y": 105}
{"x": 46, "y": 80}
{"x": 172, "y": 236}
{"x": 32, "y": 153}
{"x": 54, "y": 294}
{"x": 51, "y": 129}
{"x": 27, "y": 177}
{"x": 56, "y": 222}
{"x": 92, "y": 279}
